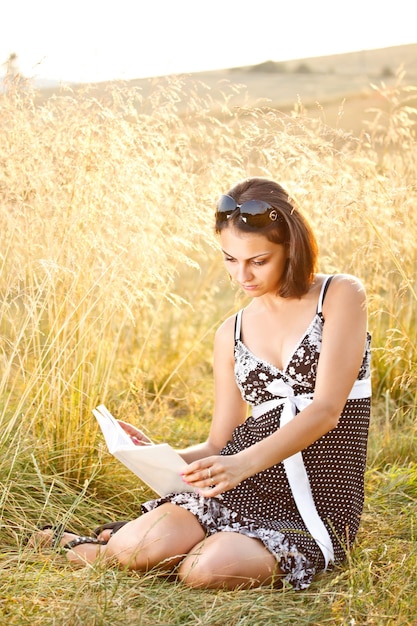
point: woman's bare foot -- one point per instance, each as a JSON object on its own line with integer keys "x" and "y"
{"x": 50, "y": 538}
{"x": 80, "y": 549}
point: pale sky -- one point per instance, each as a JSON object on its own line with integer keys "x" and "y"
{"x": 91, "y": 40}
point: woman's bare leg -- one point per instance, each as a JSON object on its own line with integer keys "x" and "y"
{"x": 160, "y": 537}
{"x": 169, "y": 535}
{"x": 229, "y": 560}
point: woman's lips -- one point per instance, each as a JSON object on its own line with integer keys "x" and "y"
{"x": 249, "y": 287}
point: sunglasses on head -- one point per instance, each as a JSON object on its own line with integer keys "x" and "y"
{"x": 253, "y": 212}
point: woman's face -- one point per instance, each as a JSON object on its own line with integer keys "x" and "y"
{"x": 253, "y": 261}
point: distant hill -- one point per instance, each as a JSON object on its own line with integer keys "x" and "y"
{"x": 320, "y": 78}
{"x": 367, "y": 62}
{"x": 322, "y": 84}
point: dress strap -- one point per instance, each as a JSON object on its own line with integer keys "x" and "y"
{"x": 324, "y": 288}
{"x": 238, "y": 324}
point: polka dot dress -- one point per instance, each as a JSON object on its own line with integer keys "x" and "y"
{"x": 263, "y": 505}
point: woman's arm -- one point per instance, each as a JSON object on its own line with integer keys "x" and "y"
{"x": 230, "y": 410}
{"x": 344, "y": 336}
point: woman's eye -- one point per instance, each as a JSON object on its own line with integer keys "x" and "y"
{"x": 259, "y": 263}
{"x": 229, "y": 259}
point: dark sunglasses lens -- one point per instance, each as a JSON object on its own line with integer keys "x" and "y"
{"x": 253, "y": 212}
{"x": 225, "y": 207}
{"x": 258, "y": 213}
{"x": 255, "y": 207}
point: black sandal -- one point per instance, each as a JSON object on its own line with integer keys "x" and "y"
{"x": 113, "y": 526}
{"x": 78, "y": 541}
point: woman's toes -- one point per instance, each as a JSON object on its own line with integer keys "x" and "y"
{"x": 47, "y": 538}
{"x": 41, "y": 539}
{"x": 104, "y": 535}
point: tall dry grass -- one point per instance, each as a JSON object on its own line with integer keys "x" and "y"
{"x": 111, "y": 288}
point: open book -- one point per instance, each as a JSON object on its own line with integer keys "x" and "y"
{"x": 158, "y": 465}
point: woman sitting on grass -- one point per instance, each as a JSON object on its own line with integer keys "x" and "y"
{"x": 278, "y": 494}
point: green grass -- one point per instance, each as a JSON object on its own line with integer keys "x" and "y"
{"x": 111, "y": 288}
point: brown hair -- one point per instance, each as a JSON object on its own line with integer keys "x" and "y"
{"x": 291, "y": 228}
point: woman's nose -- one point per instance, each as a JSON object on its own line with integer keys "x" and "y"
{"x": 243, "y": 274}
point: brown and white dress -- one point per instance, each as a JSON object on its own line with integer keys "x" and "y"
{"x": 306, "y": 510}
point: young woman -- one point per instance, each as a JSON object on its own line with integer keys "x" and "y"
{"x": 279, "y": 494}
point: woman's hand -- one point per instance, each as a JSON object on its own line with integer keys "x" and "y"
{"x": 136, "y": 435}
{"x": 214, "y": 474}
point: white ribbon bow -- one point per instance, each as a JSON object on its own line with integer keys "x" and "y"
{"x": 286, "y": 396}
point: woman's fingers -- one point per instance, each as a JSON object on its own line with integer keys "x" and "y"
{"x": 213, "y": 475}
{"x": 136, "y": 435}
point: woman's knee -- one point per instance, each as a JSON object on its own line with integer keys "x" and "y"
{"x": 158, "y": 538}
{"x": 126, "y": 551}
{"x": 230, "y": 561}
{"x": 138, "y": 545}
{"x": 206, "y": 564}
{"x": 198, "y": 569}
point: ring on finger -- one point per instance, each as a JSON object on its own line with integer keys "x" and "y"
{"x": 209, "y": 473}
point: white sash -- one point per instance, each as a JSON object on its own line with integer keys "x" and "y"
{"x": 294, "y": 465}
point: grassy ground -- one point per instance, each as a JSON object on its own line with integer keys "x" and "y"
{"x": 111, "y": 289}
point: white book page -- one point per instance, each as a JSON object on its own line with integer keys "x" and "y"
{"x": 113, "y": 433}
{"x": 158, "y": 465}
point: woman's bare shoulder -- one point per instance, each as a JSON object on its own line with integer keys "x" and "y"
{"x": 224, "y": 341}
{"x": 348, "y": 283}
{"x": 346, "y": 289}
{"x": 226, "y": 329}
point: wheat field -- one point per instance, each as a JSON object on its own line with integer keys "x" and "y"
{"x": 112, "y": 287}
